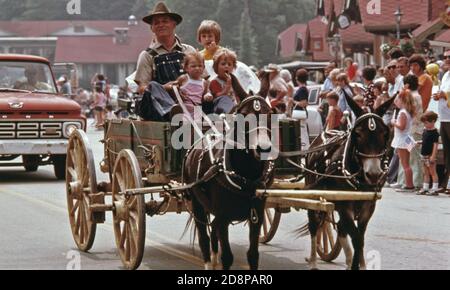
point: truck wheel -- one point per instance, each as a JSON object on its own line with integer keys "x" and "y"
{"x": 59, "y": 164}
{"x": 31, "y": 162}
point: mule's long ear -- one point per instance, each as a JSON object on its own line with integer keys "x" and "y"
{"x": 381, "y": 110}
{"x": 354, "y": 106}
{"x": 238, "y": 90}
{"x": 265, "y": 84}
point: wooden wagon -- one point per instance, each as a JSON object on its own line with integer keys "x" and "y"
{"x": 140, "y": 161}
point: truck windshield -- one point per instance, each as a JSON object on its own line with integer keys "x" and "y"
{"x": 28, "y": 76}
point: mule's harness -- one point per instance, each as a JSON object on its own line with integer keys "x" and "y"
{"x": 338, "y": 137}
{"x": 233, "y": 182}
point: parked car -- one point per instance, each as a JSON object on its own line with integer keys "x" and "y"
{"x": 35, "y": 120}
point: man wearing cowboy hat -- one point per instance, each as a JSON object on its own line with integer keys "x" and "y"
{"x": 163, "y": 23}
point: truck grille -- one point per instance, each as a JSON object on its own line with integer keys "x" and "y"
{"x": 30, "y": 130}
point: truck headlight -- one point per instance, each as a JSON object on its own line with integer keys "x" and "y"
{"x": 69, "y": 127}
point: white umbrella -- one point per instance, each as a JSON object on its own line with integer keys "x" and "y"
{"x": 248, "y": 79}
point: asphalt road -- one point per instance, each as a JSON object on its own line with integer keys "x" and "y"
{"x": 406, "y": 232}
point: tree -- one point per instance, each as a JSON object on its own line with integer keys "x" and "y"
{"x": 248, "y": 47}
{"x": 227, "y": 13}
{"x": 106, "y": 9}
{"x": 43, "y": 10}
{"x": 252, "y": 36}
{"x": 141, "y": 7}
{"x": 90, "y": 10}
{"x": 193, "y": 12}
{"x": 11, "y": 9}
{"x": 272, "y": 17}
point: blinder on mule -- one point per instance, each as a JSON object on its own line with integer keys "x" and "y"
{"x": 258, "y": 104}
{"x": 372, "y": 126}
{"x": 350, "y": 146}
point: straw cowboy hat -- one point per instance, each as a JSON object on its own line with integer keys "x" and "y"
{"x": 161, "y": 9}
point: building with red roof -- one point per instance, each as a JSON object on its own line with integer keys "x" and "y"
{"x": 293, "y": 41}
{"x": 422, "y": 19}
{"x": 108, "y": 47}
{"x": 355, "y": 39}
{"x": 419, "y": 20}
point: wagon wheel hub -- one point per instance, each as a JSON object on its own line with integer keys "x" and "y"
{"x": 76, "y": 190}
{"x": 121, "y": 210}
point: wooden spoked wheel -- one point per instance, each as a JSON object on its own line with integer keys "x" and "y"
{"x": 270, "y": 225}
{"x": 81, "y": 181}
{"x": 128, "y": 212}
{"x": 328, "y": 246}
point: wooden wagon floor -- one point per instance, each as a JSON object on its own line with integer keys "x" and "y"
{"x": 406, "y": 232}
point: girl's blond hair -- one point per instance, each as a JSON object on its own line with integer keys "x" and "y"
{"x": 193, "y": 56}
{"x": 209, "y": 26}
{"x": 224, "y": 53}
{"x": 408, "y": 100}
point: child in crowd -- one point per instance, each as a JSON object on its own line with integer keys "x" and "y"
{"x": 301, "y": 96}
{"x": 208, "y": 35}
{"x": 193, "y": 88}
{"x": 430, "y": 139}
{"x": 402, "y": 135}
{"x": 110, "y": 113}
{"x": 344, "y": 90}
{"x": 335, "y": 115}
{"x": 225, "y": 62}
{"x": 99, "y": 105}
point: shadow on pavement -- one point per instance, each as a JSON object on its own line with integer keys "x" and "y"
{"x": 9, "y": 175}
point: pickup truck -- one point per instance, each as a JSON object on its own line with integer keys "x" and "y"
{"x": 35, "y": 120}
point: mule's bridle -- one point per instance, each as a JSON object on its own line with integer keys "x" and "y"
{"x": 221, "y": 162}
{"x": 258, "y": 102}
{"x": 371, "y": 156}
{"x": 372, "y": 127}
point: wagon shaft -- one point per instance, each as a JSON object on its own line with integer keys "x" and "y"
{"x": 327, "y": 195}
{"x": 282, "y": 202}
{"x": 155, "y": 189}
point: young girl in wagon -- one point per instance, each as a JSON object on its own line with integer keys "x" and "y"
{"x": 219, "y": 59}
{"x": 225, "y": 62}
{"x": 208, "y": 35}
{"x": 194, "y": 90}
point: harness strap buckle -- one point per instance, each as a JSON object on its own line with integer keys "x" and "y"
{"x": 254, "y": 216}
